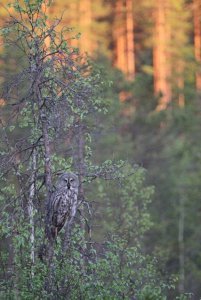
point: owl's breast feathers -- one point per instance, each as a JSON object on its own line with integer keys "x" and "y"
{"x": 63, "y": 206}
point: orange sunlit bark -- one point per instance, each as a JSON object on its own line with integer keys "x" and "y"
{"x": 124, "y": 38}
{"x": 197, "y": 38}
{"x": 161, "y": 59}
{"x": 85, "y": 20}
{"x": 130, "y": 40}
{"x": 119, "y": 35}
{"x": 180, "y": 84}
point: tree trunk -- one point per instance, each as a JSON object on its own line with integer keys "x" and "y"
{"x": 181, "y": 244}
{"x": 197, "y": 39}
{"x": 85, "y": 19}
{"x": 80, "y": 161}
{"x": 180, "y": 84}
{"x": 120, "y": 37}
{"x": 30, "y": 208}
{"x": 161, "y": 57}
{"x": 130, "y": 40}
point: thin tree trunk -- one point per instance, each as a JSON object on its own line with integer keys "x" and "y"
{"x": 50, "y": 280}
{"x": 130, "y": 40}
{"x": 47, "y": 159}
{"x": 181, "y": 244}
{"x": 180, "y": 84}
{"x": 81, "y": 151}
{"x": 197, "y": 39}
{"x": 47, "y": 155}
{"x": 48, "y": 182}
{"x": 30, "y": 208}
{"x": 81, "y": 159}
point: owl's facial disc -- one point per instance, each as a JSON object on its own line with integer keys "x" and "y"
{"x": 70, "y": 182}
{"x": 66, "y": 180}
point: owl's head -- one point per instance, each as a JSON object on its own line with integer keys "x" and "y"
{"x": 68, "y": 181}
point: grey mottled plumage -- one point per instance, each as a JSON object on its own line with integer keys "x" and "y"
{"x": 64, "y": 202}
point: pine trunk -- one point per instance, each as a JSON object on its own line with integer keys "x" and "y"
{"x": 130, "y": 55}
{"x": 161, "y": 57}
{"x": 120, "y": 37}
{"x": 197, "y": 39}
{"x": 180, "y": 84}
{"x": 181, "y": 244}
{"x": 30, "y": 206}
{"x": 85, "y": 19}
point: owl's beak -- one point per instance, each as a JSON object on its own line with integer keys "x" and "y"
{"x": 68, "y": 185}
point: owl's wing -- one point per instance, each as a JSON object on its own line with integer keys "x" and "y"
{"x": 63, "y": 206}
{"x": 73, "y": 204}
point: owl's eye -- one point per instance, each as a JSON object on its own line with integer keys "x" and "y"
{"x": 72, "y": 179}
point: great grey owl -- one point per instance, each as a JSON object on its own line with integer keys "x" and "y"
{"x": 63, "y": 202}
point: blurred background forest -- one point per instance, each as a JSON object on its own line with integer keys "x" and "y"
{"x": 150, "y": 51}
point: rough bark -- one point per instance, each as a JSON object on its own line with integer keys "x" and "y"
{"x": 85, "y": 19}
{"x": 120, "y": 37}
{"x": 197, "y": 39}
{"x": 180, "y": 84}
{"x": 130, "y": 40}
{"x": 30, "y": 206}
{"x": 161, "y": 57}
{"x": 181, "y": 244}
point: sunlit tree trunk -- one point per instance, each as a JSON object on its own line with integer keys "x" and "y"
{"x": 161, "y": 56}
{"x": 180, "y": 84}
{"x": 130, "y": 55}
{"x": 85, "y": 20}
{"x": 3, "y": 19}
{"x": 124, "y": 38}
{"x": 120, "y": 36}
{"x": 197, "y": 39}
